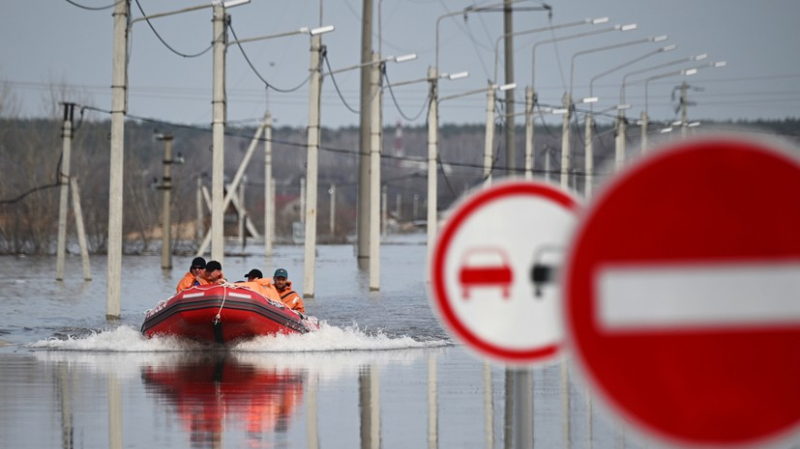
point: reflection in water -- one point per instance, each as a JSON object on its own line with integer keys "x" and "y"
{"x": 67, "y": 429}
{"x": 114, "y": 412}
{"x": 433, "y": 405}
{"x": 367, "y": 399}
{"x": 369, "y": 405}
{"x": 208, "y": 390}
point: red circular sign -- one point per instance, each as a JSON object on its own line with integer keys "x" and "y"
{"x": 679, "y": 292}
{"x": 492, "y": 304}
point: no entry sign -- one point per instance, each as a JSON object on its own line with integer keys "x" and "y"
{"x": 492, "y": 270}
{"x": 682, "y": 292}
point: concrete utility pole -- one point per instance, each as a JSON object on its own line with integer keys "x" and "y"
{"x": 268, "y": 188}
{"x": 433, "y": 132}
{"x": 619, "y": 153}
{"x": 587, "y": 188}
{"x": 384, "y": 209}
{"x": 166, "y": 186}
{"x": 398, "y": 206}
{"x": 508, "y": 29}
{"x": 118, "y": 109}
{"x": 315, "y": 87}
{"x": 332, "y": 223}
{"x": 242, "y": 214}
{"x": 78, "y": 212}
{"x": 643, "y": 125}
{"x": 63, "y": 179}
{"x": 365, "y": 135}
{"x": 376, "y": 128}
{"x": 488, "y": 143}
{"x": 231, "y": 197}
{"x": 272, "y": 217}
{"x": 530, "y": 149}
{"x": 200, "y": 226}
{"x": 219, "y": 42}
{"x": 303, "y": 202}
{"x": 684, "y": 105}
{"x": 565, "y": 148}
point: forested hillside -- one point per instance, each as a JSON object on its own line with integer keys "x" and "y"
{"x": 31, "y": 154}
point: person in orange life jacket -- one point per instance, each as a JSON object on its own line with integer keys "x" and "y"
{"x": 255, "y": 281}
{"x": 213, "y": 274}
{"x": 284, "y": 289}
{"x": 191, "y": 278}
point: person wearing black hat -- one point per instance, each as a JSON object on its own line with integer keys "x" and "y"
{"x": 212, "y": 274}
{"x": 284, "y": 288}
{"x": 193, "y": 276}
{"x": 253, "y": 275}
{"x": 255, "y": 281}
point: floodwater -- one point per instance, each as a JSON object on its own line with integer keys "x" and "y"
{"x": 381, "y": 373}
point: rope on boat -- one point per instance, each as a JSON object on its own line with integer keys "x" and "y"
{"x": 224, "y": 297}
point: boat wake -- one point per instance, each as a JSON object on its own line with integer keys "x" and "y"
{"x": 327, "y": 339}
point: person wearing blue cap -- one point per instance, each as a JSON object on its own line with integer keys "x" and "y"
{"x": 283, "y": 286}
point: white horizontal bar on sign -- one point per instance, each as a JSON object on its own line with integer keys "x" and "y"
{"x": 696, "y": 296}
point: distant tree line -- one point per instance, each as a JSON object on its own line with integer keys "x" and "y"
{"x": 31, "y": 157}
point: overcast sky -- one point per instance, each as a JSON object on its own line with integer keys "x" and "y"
{"x": 53, "y": 45}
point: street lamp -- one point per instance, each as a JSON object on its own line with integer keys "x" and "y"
{"x": 267, "y": 124}
{"x": 433, "y": 117}
{"x": 377, "y": 66}
{"x": 509, "y": 124}
{"x": 491, "y": 91}
{"x": 567, "y": 101}
{"x": 509, "y": 106}
{"x": 621, "y": 124}
{"x": 487, "y": 155}
{"x": 589, "y": 21}
{"x": 530, "y": 93}
{"x": 684, "y": 72}
{"x": 483, "y": 8}
{"x": 589, "y": 122}
{"x": 119, "y": 89}
{"x": 565, "y": 136}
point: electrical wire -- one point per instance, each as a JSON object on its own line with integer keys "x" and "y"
{"x": 397, "y": 105}
{"x": 195, "y": 55}
{"x": 338, "y": 91}
{"x": 94, "y": 8}
{"x": 266, "y": 83}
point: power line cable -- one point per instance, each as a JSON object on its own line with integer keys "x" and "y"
{"x": 397, "y": 105}
{"x": 165, "y": 42}
{"x": 266, "y": 83}
{"x": 94, "y": 8}
{"x": 336, "y": 85}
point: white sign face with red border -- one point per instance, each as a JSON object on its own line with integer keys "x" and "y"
{"x": 682, "y": 293}
{"x": 493, "y": 270}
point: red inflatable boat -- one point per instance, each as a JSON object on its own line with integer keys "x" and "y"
{"x": 222, "y": 314}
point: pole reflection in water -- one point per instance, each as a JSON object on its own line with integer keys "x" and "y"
{"x": 524, "y": 409}
{"x": 508, "y": 434}
{"x": 67, "y": 429}
{"x": 312, "y": 431}
{"x": 488, "y": 404}
{"x": 433, "y": 405}
{"x": 294, "y": 400}
{"x": 565, "y": 403}
{"x": 207, "y": 390}
{"x": 369, "y": 405}
{"x": 114, "y": 412}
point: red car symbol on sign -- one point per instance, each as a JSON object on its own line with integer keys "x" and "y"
{"x": 485, "y": 267}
